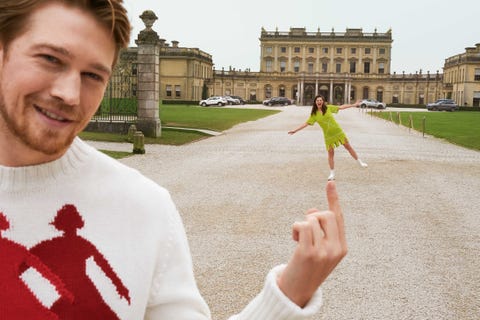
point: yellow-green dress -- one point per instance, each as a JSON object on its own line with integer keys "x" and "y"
{"x": 333, "y": 134}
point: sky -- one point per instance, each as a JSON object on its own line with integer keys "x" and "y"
{"x": 424, "y": 32}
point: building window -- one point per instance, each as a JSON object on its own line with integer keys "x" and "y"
{"x": 178, "y": 93}
{"x": 296, "y": 49}
{"x": 366, "y": 67}
{"x": 353, "y": 66}
{"x": 353, "y": 50}
{"x": 380, "y": 95}
{"x": 421, "y": 99}
{"x": 339, "y": 50}
{"x": 365, "y": 93}
{"x": 324, "y": 67}
{"x": 310, "y": 67}
{"x": 281, "y": 91}
{"x": 253, "y": 95}
{"x": 476, "y": 99}
{"x": 368, "y": 50}
{"x": 283, "y": 49}
{"x": 381, "y": 68}
{"x": 268, "y": 50}
{"x": 311, "y": 50}
{"x": 381, "y": 51}
{"x": 268, "y": 92}
{"x": 338, "y": 68}
{"x": 325, "y": 50}
{"x": 268, "y": 65}
{"x": 477, "y": 74}
{"x": 168, "y": 90}
{"x": 296, "y": 66}
{"x": 283, "y": 66}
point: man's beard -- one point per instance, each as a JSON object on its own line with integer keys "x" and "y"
{"x": 43, "y": 140}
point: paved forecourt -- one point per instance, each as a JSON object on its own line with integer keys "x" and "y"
{"x": 411, "y": 216}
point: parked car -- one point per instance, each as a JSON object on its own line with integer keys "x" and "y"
{"x": 282, "y": 101}
{"x": 242, "y": 101}
{"x": 231, "y": 100}
{"x": 442, "y": 104}
{"x": 372, "y": 103}
{"x": 212, "y": 101}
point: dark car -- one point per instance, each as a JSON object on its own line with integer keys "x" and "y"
{"x": 282, "y": 101}
{"x": 242, "y": 101}
{"x": 442, "y": 104}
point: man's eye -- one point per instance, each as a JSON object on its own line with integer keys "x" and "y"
{"x": 93, "y": 76}
{"x": 50, "y": 58}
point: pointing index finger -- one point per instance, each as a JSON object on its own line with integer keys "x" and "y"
{"x": 332, "y": 197}
{"x": 334, "y": 206}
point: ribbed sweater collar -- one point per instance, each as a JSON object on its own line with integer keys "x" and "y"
{"x": 18, "y": 179}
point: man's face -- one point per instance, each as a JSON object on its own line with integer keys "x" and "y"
{"x": 52, "y": 80}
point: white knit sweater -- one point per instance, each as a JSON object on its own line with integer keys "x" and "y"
{"x": 85, "y": 237}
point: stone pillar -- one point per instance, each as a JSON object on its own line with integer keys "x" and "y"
{"x": 302, "y": 102}
{"x": 330, "y": 99}
{"x": 148, "y": 79}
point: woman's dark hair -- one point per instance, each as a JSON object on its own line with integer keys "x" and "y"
{"x": 314, "y": 106}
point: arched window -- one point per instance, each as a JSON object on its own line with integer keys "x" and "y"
{"x": 268, "y": 91}
{"x": 380, "y": 94}
{"x": 365, "y": 93}
{"x": 338, "y": 96}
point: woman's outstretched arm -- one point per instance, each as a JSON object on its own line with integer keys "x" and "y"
{"x": 298, "y": 129}
{"x": 346, "y": 106}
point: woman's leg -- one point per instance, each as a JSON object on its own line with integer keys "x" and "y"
{"x": 331, "y": 163}
{"x": 352, "y": 152}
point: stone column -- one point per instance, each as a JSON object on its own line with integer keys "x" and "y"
{"x": 330, "y": 99}
{"x": 148, "y": 62}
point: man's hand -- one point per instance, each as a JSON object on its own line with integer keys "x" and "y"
{"x": 321, "y": 246}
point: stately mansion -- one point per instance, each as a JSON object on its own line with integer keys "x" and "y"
{"x": 298, "y": 64}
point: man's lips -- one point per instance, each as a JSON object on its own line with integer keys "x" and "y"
{"x": 51, "y": 115}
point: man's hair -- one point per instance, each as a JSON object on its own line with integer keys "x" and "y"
{"x": 14, "y": 15}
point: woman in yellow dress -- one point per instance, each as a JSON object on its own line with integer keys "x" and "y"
{"x": 332, "y": 132}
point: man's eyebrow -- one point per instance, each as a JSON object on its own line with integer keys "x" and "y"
{"x": 65, "y": 52}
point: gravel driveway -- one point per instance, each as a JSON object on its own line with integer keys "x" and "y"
{"x": 411, "y": 216}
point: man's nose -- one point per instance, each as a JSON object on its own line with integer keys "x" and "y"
{"x": 67, "y": 88}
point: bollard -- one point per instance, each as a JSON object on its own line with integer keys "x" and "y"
{"x": 410, "y": 124}
{"x": 131, "y": 131}
{"x": 423, "y": 127}
{"x": 138, "y": 143}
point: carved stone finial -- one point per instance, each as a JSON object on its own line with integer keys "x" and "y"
{"x": 148, "y": 35}
{"x": 148, "y": 17}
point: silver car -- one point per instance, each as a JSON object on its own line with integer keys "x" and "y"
{"x": 442, "y": 104}
{"x": 212, "y": 101}
{"x": 372, "y": 103}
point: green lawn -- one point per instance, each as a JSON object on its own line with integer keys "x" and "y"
{"x": 117, "y": 154}
{"x": 212, "y": 118}
{"x": 183, "y": 116}
{"x": 461, "y": 128}
{"x": 169, "y": 136}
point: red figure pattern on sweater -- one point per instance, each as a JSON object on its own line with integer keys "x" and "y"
{"x": 61, "y": 260}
